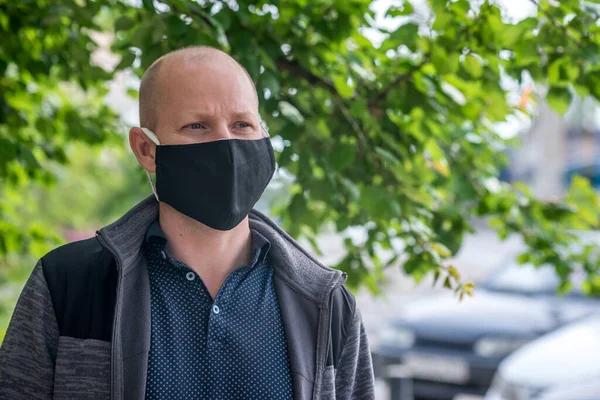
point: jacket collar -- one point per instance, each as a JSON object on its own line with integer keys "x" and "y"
{"x": 291, "y": 262}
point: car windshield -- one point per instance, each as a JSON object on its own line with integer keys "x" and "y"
{"x": 526, "y": 279}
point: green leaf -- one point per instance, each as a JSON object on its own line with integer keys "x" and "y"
{"x": 559, "y": 99}
{"x": 593, "y": 84}
{"x": 406, "y": 34}
{"x": 454, "y": 273}
{"x": 126, "y": 61}
{"x": 270, "y": 81}
{"x": 571, "y": 71}
{"x": 123, "y": 23}
{"x": 224, "y": 19}
{"x": 562, "y": 72}
{"x": 438, "y": 5}
{"x": 447, "y": 283}
{"x": 473, "y": 66}
{"x": 266, "y": 60}
{"x": 565, "y": 287}
{"x": 511, "y": 35}
{"x": 411, "y": 265}
{"x": 438, "y": 57}
{"x": 291, "y": 113}
{"x": 396, "y": 11}
{"x": 252, "y": 65}
{"x": 351, "y": 188}
{"x": 148, "y": 57}
{"x": 342, "y": 86}
{"x": 149, "y": 4}
{"x": 468, "y": 288}
{"x": 375, "y": 201}
{"x": 27, "y": 156}
{"x": 387, "y": 156}
{"x": 436, "y": 276}
{"x": 442, "y": 19}
{"x": 523, "y": 258}
{"x": 142, "y": 35}
{"x": 343, "y": 156}
{"x": 452, "y": 64}
{"x": 176, "y": 27}
{"x": 554, "y": 72}
{"x": 441, "y": 249}
{"x": 528, "y": 24}
{"x": 460, "y": 7}
{"x": 133, "y": 93}
{"x": 444, "y": 63}
{"x": 434, "y": 150}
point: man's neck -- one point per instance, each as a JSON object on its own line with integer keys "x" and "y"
{"x": 213, "y": 254}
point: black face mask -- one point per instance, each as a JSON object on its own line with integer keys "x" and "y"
{"x": 216, "y": 183}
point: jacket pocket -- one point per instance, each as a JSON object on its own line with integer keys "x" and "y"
{"x": 82, "y": 369}
{"x": 328, "y": 385}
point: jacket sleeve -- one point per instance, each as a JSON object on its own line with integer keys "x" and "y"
{"x": 28, "y": 353}
{"x": 354, "y": 379}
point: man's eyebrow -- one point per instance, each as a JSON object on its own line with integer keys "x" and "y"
{"x": 244, "y": 115}
{"x": 200, "y": 115}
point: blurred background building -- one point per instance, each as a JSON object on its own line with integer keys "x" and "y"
{"x": 554, "y": 149}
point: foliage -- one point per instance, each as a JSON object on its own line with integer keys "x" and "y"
{"x": 397, "y": 138}
{"x": 109, "y": 176}
{"x": 51, "y": 95}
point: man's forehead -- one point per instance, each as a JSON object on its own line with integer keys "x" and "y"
{"x": 198, "y": 63}
{"x": 193, "y": 78}
{"x": 207, "y": 84}
{"x": 195, "y": 75}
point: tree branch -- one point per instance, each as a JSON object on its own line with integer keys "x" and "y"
{"x": 362, "y": 138}
{"x": 374, "y": 102}
{"x": 556, "y": 24}
{"x": 297, "y": 70}
{"x": 194, "y": 11}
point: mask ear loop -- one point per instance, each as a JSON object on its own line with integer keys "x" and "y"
{"x": 154, "y": 139}
{"x": 264, "y": 128}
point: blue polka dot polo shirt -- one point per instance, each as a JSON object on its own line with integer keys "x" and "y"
{"x": 232, "y": 347}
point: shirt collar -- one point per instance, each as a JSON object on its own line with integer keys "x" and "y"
{"x": 260, "y": 244}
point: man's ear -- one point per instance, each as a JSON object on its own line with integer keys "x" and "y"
{"x": 143, "y": 148}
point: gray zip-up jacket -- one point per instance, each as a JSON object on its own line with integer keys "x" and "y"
{"x": 81, "y": 327}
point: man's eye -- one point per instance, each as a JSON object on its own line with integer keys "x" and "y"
{"x": 196, "y": 126}
{"x": 243, "y": 125}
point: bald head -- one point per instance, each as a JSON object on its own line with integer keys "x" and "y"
{"x": 195, "y": 61}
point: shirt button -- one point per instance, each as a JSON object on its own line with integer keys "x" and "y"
{"x": 216, "y": 309}
{"x": 190, "y": 276}
{"x": 164, "y": 256}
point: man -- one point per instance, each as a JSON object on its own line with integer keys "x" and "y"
{"x": 196, "y": 295}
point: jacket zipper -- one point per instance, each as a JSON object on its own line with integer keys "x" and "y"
{"x": 325, "y": 321}
{"x": 103, "y": 242}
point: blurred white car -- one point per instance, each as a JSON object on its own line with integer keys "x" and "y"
{"x": 565, "y": 363}
{"x": 583, "y": 391}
